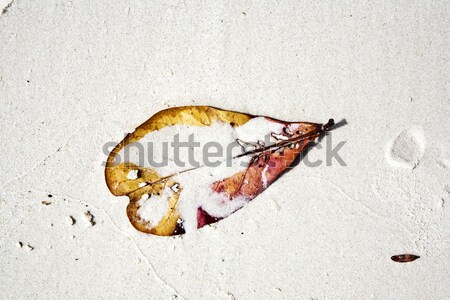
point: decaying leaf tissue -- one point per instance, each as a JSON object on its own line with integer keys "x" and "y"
{"x": 186, "y": 190}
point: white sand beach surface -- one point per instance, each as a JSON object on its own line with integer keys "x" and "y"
{"x": 78, "y": 75}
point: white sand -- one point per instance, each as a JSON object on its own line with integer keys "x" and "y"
{"x": 74, "y": 76}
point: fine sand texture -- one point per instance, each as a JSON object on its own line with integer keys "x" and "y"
{"x": 78, "y": 75}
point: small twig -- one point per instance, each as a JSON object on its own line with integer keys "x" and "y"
{"x": 259, "y": 150}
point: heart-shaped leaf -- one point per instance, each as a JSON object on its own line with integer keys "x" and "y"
{"x": 185, "y": 189}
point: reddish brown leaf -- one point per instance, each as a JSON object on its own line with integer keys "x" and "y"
{"x": 404, "y": 258}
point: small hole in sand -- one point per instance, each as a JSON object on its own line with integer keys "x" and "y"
{"x": 407, "y": 149}
{"x": 133, "y": 174}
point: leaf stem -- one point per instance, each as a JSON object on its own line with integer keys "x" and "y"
{"x": 278, "y": 145}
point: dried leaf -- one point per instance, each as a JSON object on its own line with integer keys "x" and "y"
{"x": 404, "y": 258}
{"x": 164, "y": 200}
